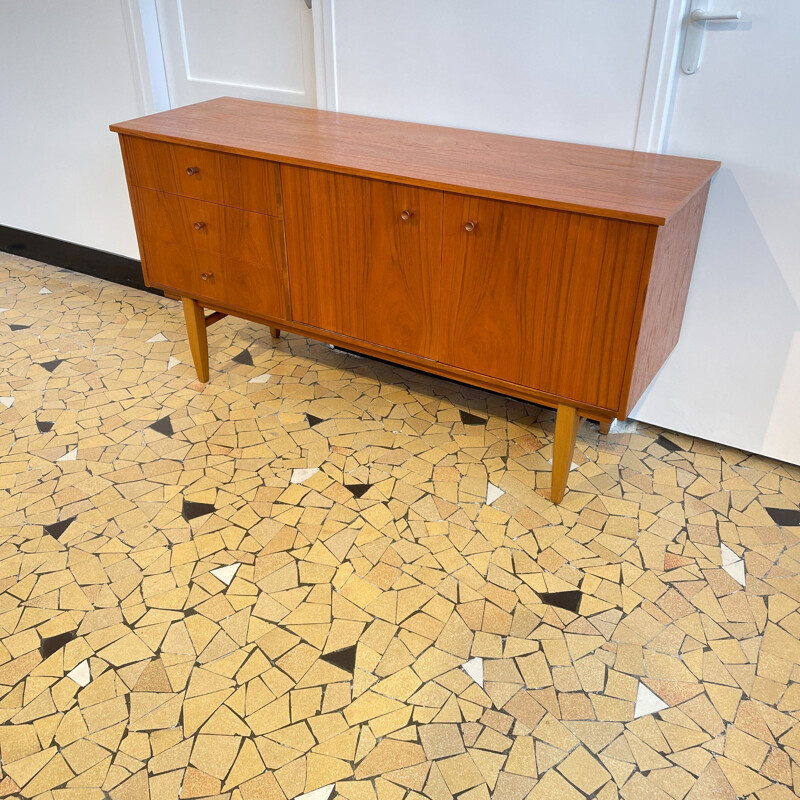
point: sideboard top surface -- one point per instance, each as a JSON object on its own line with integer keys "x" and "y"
{"x": 621, "y": 184}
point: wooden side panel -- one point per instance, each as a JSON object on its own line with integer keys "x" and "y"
{"x": 665, "y": 297}
{"x": 137, "y": 222}
{"x": 246, "y": 183}
{"x": 236, "y": 258}
{"x": 541, "y": 298}
{"x": 356, "y": 266}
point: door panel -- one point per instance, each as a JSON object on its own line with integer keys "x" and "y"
{"x": 257, "y": 49}
{"x": 571, "y": 71}
{"x": 538, "y": 297}
{"x": 235, "y": 258}
{"x": 356, "y": 265}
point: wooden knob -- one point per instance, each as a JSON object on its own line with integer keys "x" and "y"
{"x": 207, "y": 276}
{"x": 199, "y": 226}
{"x": 471, "y": 225}
{"x": 406, "y": 215}
{"x": 192, "y": 170}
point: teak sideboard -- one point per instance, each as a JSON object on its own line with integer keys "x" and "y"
{"x": 556, "y": 273}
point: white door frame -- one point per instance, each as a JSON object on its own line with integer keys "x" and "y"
{"x": 658, "y": 88}
{"x": 325, "y": 54}
{"x": 658, "y": 85}
{"x": 147, "y": 54}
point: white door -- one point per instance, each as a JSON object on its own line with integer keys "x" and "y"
{"x": 735, "y": 374}
{"x": 570, "y": 69}
{"x": 257, "y": 49}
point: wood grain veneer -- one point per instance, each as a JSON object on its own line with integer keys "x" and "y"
{"x": 236, "y": 257}
{"x": 356, "y": 266}
{"x": 539, "y": 297}
{"x": 664, "y": 289}
{"x": 621, "y": 184}
{"x": 552, "y": 272}
{"x": 247, "y": 183}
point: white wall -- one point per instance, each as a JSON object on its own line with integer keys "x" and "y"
{"x": 735, "y": 374}
{"x": 65, "y": 75}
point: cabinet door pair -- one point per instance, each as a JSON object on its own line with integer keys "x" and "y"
{"x": 541, "y": 298}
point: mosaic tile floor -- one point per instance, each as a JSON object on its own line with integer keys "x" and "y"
{"x": 321, "y": 576}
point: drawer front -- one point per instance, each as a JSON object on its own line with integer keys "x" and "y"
{"x": 236, "y": 181}
{"x": 223, "y": 255}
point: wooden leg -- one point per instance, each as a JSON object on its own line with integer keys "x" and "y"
{"x": 198, "y": 343}
{"x": 276, "y": 332}
{"x": 567, "y": 424}
{"x": 605, "y": 425}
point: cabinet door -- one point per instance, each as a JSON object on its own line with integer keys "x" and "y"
{"x": 538, "y": 297}
{"x": 364, "y": 257}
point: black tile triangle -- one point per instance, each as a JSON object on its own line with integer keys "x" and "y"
{"x": 357, "y": 489}
{"x": 163, "y": 426}
{"x": 312, "y": 420}
{"x": 18, "y": 327}
{"x": 786, "y": 517}
{"x": 57, "y": 528}
{"x": 667, "y": 444}
{"x": 570, "y": 601}
{"x": 193, "y": 510}
{"x": 471, "y": 419}
{"x": 244, "y": 358}
{"x": 44, "y": 427}
{"x": 52, "y": 644}
{"x": 344, "y": 659}
{"x": 51, "y": 365}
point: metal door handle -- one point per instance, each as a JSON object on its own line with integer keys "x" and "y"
{"x": 696, "y": 22}
{"x": 698, "y": 15}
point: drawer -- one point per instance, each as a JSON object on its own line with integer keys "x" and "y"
{"x": 224, "y": 255}
{"x": 236, "y": 181}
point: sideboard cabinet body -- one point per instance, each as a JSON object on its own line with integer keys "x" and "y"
{"x": 554, "y": 273}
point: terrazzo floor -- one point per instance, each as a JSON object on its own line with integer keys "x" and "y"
{"x": 321, "y": 576}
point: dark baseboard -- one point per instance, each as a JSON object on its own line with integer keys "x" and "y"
{"x": 77, "y": 257}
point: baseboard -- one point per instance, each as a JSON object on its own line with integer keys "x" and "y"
{"x": 77, "y": 257}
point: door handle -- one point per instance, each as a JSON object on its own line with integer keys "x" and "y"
{"x": 308, "y": 4}
{"x": 698, "y": 15}
{"x": 696, "y": 22}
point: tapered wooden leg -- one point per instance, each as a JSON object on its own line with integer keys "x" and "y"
{"x": 567, "y": 423}
{"x": 198, "y": 343}
{"x": 605, "y": 425}
{"x": 276, "y": 332}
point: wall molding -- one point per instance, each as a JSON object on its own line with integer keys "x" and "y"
{"x": 658, "y": 87}
{"x": 75, "y": 257}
